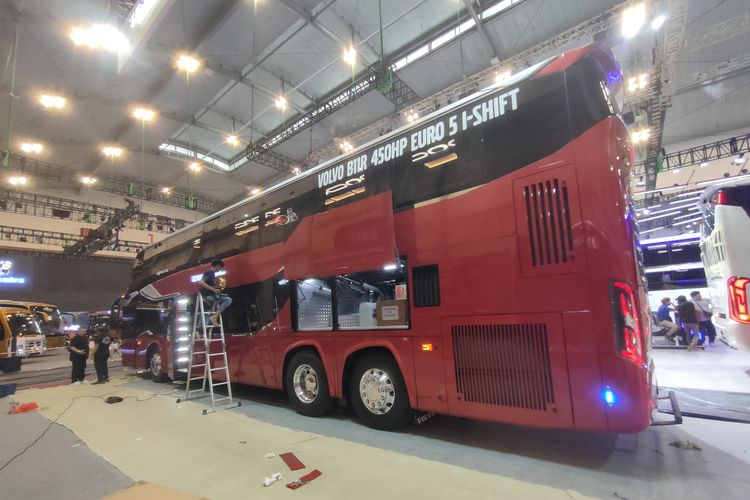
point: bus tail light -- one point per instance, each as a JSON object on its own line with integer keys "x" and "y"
{"x": 628, "y": 334}
{"x": 738, "y": 306}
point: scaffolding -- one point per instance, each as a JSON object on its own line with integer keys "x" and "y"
{"x": 40, "y": 205}
{"x": 58, "y": 239}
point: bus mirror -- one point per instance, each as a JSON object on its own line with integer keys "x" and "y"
{"x": 628, "y": 118}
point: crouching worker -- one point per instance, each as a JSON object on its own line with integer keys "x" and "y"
{"x": 212, "y": 292}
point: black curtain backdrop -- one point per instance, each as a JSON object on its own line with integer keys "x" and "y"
{"x": 73, "y": 284}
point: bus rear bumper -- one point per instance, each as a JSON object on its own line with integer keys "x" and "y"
{"x": 674, "y": 410}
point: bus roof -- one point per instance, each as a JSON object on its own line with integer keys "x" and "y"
{"x": 513, "y": 80}
{"x": 711, "y": 190}
{"x": 14, "y": 304}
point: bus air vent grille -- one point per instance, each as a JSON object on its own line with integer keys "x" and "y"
{"x": 548, "y": 217}
{"x": 426, "y": 286}
{"x": 503, "y": 364}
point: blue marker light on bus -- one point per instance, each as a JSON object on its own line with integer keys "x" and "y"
{"x": 609, "y": 396}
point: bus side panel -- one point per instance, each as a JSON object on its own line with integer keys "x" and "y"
{"x": 584, "y": 373}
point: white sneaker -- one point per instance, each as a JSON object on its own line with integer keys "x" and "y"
{"x": 77, "y": 382}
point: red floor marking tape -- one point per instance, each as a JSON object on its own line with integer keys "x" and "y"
{"x": 292, "y": 461}
{"x": 304, "y": 480}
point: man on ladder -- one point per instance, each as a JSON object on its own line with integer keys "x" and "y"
{"x": 216, "y": 299}
{"x": 204, "y": 361}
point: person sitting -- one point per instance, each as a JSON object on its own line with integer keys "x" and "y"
{"x": 665, "y": 319}
{"x": 216, "y": 299}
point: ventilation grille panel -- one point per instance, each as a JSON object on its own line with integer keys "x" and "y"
{"x": 426, "y": 286}
{"x": 503, "y": 365}
{"x": 548, "y": 217}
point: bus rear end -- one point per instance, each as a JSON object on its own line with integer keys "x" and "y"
{"x": 725, "y": 246}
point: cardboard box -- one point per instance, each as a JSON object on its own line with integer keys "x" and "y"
{"x": 392, "y": 313}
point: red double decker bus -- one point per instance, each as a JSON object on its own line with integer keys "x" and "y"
{"x": 481, "y": 262}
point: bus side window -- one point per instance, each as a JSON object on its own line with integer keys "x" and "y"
{"x": 372, "y": 299}
{"x": 243, "y": 315}
{"x": 313, "y": 304}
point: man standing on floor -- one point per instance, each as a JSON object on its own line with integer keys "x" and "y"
{"x": 215, "y": 298}
{"x": 703, "y": 307}
{"x": 101, "y": 355}
{"x": 79, "y": 351}
{"x": 689, "y": 320}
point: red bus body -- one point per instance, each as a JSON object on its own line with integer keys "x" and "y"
{"x": 537, "y": 272}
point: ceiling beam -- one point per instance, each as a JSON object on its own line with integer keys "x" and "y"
{"x": 488, "y": 43}
{"x": 239, "y": 78}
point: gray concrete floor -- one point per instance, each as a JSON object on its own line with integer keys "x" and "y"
{"x": 58, "y": 467}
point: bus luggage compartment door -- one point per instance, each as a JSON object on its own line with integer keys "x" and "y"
{"x": 508, "y": 368}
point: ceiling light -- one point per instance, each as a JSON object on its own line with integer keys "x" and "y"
{"x": 52, "y": 101}
{"x": 658, "y": 22}
{"x": 632, "y": 19}
{"x": 166, "y": 190}
{"x": 740, "y": 159}
{"x": 233, "y": 140}
{"x": 31, "y": 147}
{"x": 411, "y": 116}
{"x": 194, "y": 166}
{"x": 639, "y": 82}
{"x": 345, "y": 146}
{"x": 88, "y": 181}
{"x": 255, "y": 191}
{"x": 646, "y": 211}
{"x": 639, "y": 136}
{"x": 501, "y": 77}
{"x": 188, "y": 63}
{"x": 296, "y": 170}
{"x": 144, "y": 114}
{"x": 112, "y": 151}
{"x": 675, "y": 170}
{"x": 704, "y": 164}
{"x": 100, "y": 36}
{"x": 281, "y": 102}
{"x": 350, "y": 56}
{"x": 18, "y": 180}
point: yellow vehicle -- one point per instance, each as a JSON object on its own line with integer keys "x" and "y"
{"x": 51, "y": 322}
{"x": 21, "y": 337}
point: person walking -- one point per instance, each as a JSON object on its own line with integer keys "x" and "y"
{"x": 79, "y": 351}
{"x": 689, "y": 319}
{"x": 100, "y": 355}
{"x": 705, "y": 311}
{"x": 216, "y": 299}
{"x": 665, "y": 319}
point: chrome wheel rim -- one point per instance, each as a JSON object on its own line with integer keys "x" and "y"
{"x": 155, "y": 364}
{"x": 377, "y": 391}
{"x": 305, "y": 381}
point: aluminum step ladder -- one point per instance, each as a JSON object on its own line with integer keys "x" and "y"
{"x": 201, "y": 341}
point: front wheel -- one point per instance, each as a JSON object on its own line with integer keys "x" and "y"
{"x": 378, "y": 393}
{"x": 154, "y": 363}
{"x": 307, "y": 385}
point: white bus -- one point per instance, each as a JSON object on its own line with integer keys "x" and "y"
{"x": 725, "y": 251}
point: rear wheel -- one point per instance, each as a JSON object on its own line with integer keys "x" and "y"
{"x": 307, "y": 385}
{"x": 378, "y": 393}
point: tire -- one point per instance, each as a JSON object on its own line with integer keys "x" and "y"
{"x": 378, "y": 393}
{"x": 306, "y": 385}
{"x": 153, "y": 362}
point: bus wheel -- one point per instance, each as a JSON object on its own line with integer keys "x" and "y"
{"x": 154, "y": 362}
{"x": 378, "y": 393}
{"x": 307, "y": 385}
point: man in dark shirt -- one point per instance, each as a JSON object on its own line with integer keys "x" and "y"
{"x": 689, "y": 319}
{"x": 212, "y": 293}
{"x": 79, "y": 351}
{"x": 101, "y": 355}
